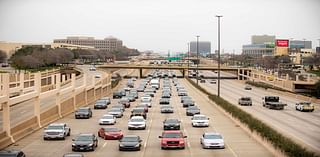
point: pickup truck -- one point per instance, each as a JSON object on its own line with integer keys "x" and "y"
{"x": 56, "y": 131}
{"x": 272, "y": 102}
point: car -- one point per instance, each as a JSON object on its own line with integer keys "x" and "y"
{"x": 130, "y": 142}
{"x": 166, "y": 95}
{"x": 172, "y": 139}
{"x": 12, "y": 153}
{"x": 137, "y": 122}
{"x": 98, "y": 75}
{"x": 139, "y": 112}
{"x": 247, "y": 87}
{"x": 187, "y": 103}
{"x": 202, "y": 81}
{"x": 200, "y": 120}
{"x": 107, "y": 99}
{"x": 83, "y": 142}
{"x": 164, "y": 101}
{"x": 166, "y": 109}
{"x": 245, "y": 101}
{"x": 119, "y": 106}
{"x": 117, "y": 112}
{"x": 182, "y": 93}
{"x": 117, "y": 95}
{"x": 56, "y": 131}
{"x": 131, "y": 97}
{"x": 146, "y": 102}
{"x": 145, "y": 106}
{"x": 184, "y": 98}
{"x": 212, "y": 140}
{"x": 73, "y": 155}
{"x": 304, "y": 106}
{"x": 100, "y": 104}
{"x": 110, "y": 133}
{"x": 213, "y": 82}
{"x": 83, "y": 112}
{"x": 171, "y": 124}
{"x": 192, "y": 110}
{"x": 107, "y": 119}
{"x": 125, "y": 102}
{"x": 92, "y": 68}
{"x": 140, "y": 89}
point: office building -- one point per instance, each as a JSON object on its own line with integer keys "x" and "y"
{"x": 263, "y": 39}
{"x": 108, "y": 44}
{"x": 300, "y": 44}
{"x": 204, "y": 48}
{"x": 261, "y": 45}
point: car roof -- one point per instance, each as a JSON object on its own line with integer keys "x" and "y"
{"x": 136, "y": 117}
{"x": 85, "y": 134}
{"x": 212, "y": 133}
{"x": 84, "y": 108}
{"x": 199, "y": 115}
{"x": 55, "y": 124}
{"x": 172, "y": 131}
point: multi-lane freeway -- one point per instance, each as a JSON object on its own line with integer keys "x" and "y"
{"x": 237, "y": 141}
{"x": 303, "y": 127}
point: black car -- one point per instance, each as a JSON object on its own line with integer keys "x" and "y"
{"x": 73, "y": 155}
{"x": 164, "y": 101}
{"x": 171, "y": 124}
{"x": 117, "y": 95}
{"x": 138, "y": 112}
{"x": 192, "y": 110}
{"x": 187, "y": 103}
{"x": 130, "y": 142}
{"x": 12, "y": 153}
{"x": 101, "y": 104}
{"x": 83, "y": 112}
{"x": 84, "y": 142}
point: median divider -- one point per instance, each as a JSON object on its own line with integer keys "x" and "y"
{"x": 278, "y": 141}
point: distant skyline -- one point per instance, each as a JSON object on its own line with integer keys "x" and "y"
{"x": 160, "y": 25}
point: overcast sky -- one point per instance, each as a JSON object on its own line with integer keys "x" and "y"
{"x": 160, "y": 25}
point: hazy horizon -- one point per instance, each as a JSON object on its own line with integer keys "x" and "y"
{"x": 161, "y": 26}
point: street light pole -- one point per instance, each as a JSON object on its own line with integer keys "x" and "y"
{"x": 197, "y": 58}
{"x": 218, "y": 16}
{"x": 188, "y": 57}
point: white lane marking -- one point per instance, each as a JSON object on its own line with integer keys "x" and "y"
{"x": 105, "y": 143}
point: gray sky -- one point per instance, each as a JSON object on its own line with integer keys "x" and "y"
{"x": 160, "y": 25}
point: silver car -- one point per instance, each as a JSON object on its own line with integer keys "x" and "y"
{"x": 212, "y": 140}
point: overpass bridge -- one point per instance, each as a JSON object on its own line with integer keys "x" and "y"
{"x": 240, "y": 72}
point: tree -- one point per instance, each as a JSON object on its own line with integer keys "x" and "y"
{"x": 3, "y": 56}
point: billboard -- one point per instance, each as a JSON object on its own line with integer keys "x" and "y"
{"x": 282, "y": 43}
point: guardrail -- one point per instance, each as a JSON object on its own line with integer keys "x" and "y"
{"x": 78, "y": 96}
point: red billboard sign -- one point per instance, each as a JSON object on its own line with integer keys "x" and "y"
{"x": 282, "y": 43}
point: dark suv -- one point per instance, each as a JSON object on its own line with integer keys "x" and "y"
{"x": 84, "y": 142}
{"x": 12, "y": 153}
{"x": 117, "y": 95}
{"x": 83, "y": 112}
{"x": 139, "y": 112}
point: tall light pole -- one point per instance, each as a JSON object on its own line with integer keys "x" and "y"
{"x": 218, "y": 16}
{"x": 197, "y": 58}
{"x": 188, "y": 57}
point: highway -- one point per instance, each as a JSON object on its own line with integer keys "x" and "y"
{"x": 303, "y": 127}
{"x": 238, "y": 142}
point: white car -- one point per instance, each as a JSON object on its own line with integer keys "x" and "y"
{"x": 92, "y": 68}
{"x": 146, "y": 102}
{"x": 107, "y": 119}
{"x": 137, "y": 122}
{"x": 212, "y": 140}
{"x": 98, "y": 76}
{"x": 200, "y": 120}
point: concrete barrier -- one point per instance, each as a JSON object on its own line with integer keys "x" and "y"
{"x": 80, "y": 99}
{"x": 67, "y": 107}
{"x": 24, "y": 128}
{"x": 49, "y": 115}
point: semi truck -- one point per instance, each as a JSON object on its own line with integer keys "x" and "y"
{"x": 273, "y": 102}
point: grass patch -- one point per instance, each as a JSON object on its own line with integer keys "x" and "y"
{"x": 286, "y": 145}
{"x": 317, "y": 72}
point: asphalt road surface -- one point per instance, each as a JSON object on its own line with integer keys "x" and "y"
{"x": 238, "y": 143}
{"x": 303, "y": 127}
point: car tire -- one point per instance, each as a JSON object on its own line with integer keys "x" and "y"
{"x": 69, "y": 132}
{"x": 45, "y": 138}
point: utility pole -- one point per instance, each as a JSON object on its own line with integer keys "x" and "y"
{"x": 218, "y": 16}
{"x": 198, "y": 59}
{"x": 188, "y": 57}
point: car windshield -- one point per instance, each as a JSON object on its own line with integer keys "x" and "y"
{"x": 245, "y": 99}
{"x": 115, "y": 110}
{"x": 84, "y": 138}
{"x": 82, "y": 110}
{"x": 166, "y": 107}
{"x": 305, "y": 103}
{"x": 101, "y": 101}
{"x": 107, "y": 117}
{"x": 55, "y": 127}
{"x": 172, "y": 121}
{"x": 137, "y": 120}
{"x": 212, "y": 136}
{"x": 129, "y": 139}
{"x": 200, "y": 118}
{"x": 138, "y": 110}
{"x": 111, "y": 129}
{"x": 145, "y": 100}
{"x": 172, "y": 135}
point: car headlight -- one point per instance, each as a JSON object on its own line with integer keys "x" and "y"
{"x": 91, "y": 144}
{"x": 137, "y": 145}
{"x": 73, "y": 144}
{"x": 121, "y": 145}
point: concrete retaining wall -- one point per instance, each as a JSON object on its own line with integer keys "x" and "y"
{"x": 49, "y": 115}
{"x": 67, "y": 107}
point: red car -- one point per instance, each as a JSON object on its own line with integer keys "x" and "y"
{"x": 173, "y": 139}
{"x": 110, "y": 133}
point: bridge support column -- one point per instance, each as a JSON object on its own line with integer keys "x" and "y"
{"x": 183, "y": 73}
{"x": 140, "y": 72}
{"x": 85, "y": 90}
{"x": 73, "y": 85}
{"x": 58, "y": 99}
{"x": 37, "y": 109}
